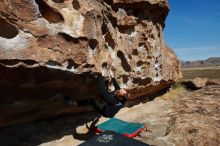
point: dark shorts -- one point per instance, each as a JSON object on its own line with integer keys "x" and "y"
{"x": 111, "y": 110}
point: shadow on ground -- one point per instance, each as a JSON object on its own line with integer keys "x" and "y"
{"x": 33, "y": 134}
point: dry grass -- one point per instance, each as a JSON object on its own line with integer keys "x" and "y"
{"x": 212, "y": 73}
{"x": 177, "y": 90}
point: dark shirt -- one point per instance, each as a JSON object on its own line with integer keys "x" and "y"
{"x": 110, "y": 98}
{"x": 111, "y": 104}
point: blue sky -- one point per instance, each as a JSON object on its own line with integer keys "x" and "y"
{"x": 193, "y": 28}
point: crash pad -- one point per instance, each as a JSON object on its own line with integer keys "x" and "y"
{"x": 121, "y": 127}
{"x": 111, "y": 138}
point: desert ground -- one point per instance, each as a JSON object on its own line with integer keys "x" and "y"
{"x": 212, "y": 72}
{"x": 180, "y": 117}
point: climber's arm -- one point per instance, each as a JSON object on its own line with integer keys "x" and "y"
{"x": 115, "y": 83}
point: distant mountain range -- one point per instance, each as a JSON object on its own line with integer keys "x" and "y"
{"x": 213, "y": 61}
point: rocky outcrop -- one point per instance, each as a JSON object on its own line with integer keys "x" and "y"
{"x": 196, "y": 83}
{"x": 51, "y": 49}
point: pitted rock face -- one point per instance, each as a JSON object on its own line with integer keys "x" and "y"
{"x": 51, "y": 49}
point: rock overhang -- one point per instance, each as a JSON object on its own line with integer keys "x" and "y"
{"x": 65, "y": 43}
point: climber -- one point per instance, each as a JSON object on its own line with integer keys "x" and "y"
{"x": 113, "y": 101}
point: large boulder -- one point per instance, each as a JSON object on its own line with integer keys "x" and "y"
{"x": 51, "y": 49}
{"x": 196, "y": 83}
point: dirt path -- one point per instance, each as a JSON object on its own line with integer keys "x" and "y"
{"x": 186, "y": 118}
